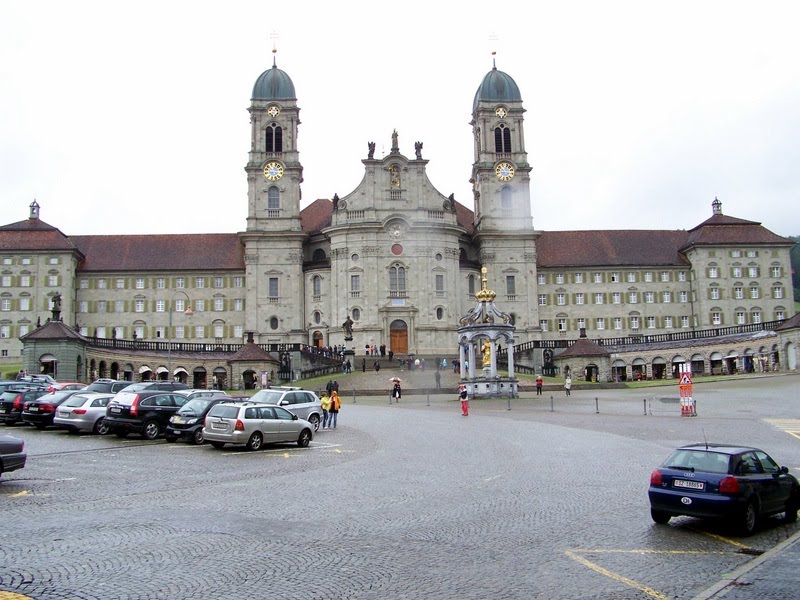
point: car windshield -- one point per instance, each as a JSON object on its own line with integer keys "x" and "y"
{"x": 195, "y": 406}
{"x": 76, "y": 400}
{"x": 136, "y": 387}
{"x": 698, "y": 459}
{"x": 55, "y": 397}
{"x": 224, "y": 412}
{"x": 268, "y": 396}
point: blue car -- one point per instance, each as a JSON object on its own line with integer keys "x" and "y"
{"x": 738, "y": 484}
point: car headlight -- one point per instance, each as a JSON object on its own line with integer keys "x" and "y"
{"x": 191, "y": 421}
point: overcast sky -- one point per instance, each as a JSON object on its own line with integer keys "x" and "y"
{"x": 132, "y": 117}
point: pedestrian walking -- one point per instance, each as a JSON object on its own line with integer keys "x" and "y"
{"x": 325, "y": 403}
{"x": 464, "y": 397}
{"x": 377, "y": 366}
{"x": 568, "y": 384}
{"x": 539, "y": 383}
{"x": 396, "y": 391}
{"x": 438, "y": 377}
{"x": 333, "y": 411}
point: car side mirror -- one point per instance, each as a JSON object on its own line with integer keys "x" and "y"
{"x": 294, "y": 417}
{"x": 283, "y": 403}
{"x": 784, "y": 470}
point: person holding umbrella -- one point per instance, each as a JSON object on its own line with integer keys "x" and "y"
{"x": 396, "y": 391}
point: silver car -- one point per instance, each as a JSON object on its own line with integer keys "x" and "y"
{"x": 303, "y": 403}
{"x": 252, "y": 425}
{"x": 84, "y": 412}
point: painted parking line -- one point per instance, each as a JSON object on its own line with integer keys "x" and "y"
{"x": 616, "y": 576}
{"x": 13, "y": 596}
{"x": 790, "y": 426}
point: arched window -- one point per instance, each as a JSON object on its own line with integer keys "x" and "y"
{"x": 356, "y": 314}
{"x": 274, "y": 139}
{"x": 316, "y": 284}
{"x": 273, "y": 323}
{"x": 273, "y": 198}
{"x": 317, "y": 317}
{"x": 319, "y": 254}
{"x": 471, "y": 285}
{"x": 502, "y": 139}
{"x": 397, "y": 281}
{"x": 439, "y": 313}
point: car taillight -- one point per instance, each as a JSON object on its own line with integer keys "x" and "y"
{"x": 656, "y": 478}
{"x": 79, "y": 411}
{"x": 135, "y": 406}
{"x": 729, "y": 485}
{"x": 239, "y": 425}
{"x": 18, "y": 402}
{"x": 47, "y": 408}
{"x": 26, "y": 406}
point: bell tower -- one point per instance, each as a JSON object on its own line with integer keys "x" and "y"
{"x": 273, "y": 239}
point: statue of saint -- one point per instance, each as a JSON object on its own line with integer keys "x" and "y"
{"x": 487, "y": 353}
{"x": 371, "y": 153}
{"x": 348, "y": 327}
{"x": 57, "y": 301}
{"x": 418, "y": 150}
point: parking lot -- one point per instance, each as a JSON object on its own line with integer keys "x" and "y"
{"x": 528, "y": 499}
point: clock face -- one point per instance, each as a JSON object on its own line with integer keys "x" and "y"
{"x": 273, "y": 111}
{"x": 504, "y": 171}
{"x": 501, "y": 112}
{"x": 273, "y": 171}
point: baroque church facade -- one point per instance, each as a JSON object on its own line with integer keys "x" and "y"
{"x": 396, "y": 256}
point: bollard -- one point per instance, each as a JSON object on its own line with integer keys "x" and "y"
{"x": 551, "y": 404}
{"x": 354, "y": 396}
{"x": 596, "y": 406}
{"x": 509, "y": 403}
{"x": 644, "y": 401}
{"x": 429, "y": 399}
{"x": 390, "y": 398}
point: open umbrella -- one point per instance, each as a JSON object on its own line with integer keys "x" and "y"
{"x": 396, "y": 380}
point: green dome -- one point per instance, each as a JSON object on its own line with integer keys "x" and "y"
{"x": 274, "y": 84}
{"x": 497, "y": 87}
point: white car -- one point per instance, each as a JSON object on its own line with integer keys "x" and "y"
{"x": 252, "y": 425}
{"x": 83, "y": 412}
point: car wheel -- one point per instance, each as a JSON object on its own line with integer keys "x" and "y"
{"x": 218, "y": 444}
{"x": 255, "y": 441}
{"x": 151, "y": 430}
{"x": 659, "y": 516}
{"x": 170, "y": 438}
{"x": 121, "y": 434}
{"x": 304, "y": 439}
{"x": 749, "y": 518}
{"x": 792, "y": 506}
{"x": 100, "y": 427}
{"x": 198, "y": 438}
{"x": 314, "y": 420}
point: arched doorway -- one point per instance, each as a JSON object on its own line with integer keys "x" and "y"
{"x": 639, "y": 369}
{"x": 48, "y": 365}
{"x": 249, "y": 379}
{"x": 180, "y": 374}
{"x": 659, "y": 367}
{"x": 698, "y": 364}
{"x": 715, "y": 363}
{"x": 162, "y": 373}
{"x": 145, "y": 374}
{"x": 199, "y": 381}
{"x": 221, "y": 378}
{"x": 790, "y": 354}
{"x": 398, "y": 337}
{"x": 317, "y": 339}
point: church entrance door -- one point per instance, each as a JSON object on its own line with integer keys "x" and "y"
{"x": 398, "y": 337}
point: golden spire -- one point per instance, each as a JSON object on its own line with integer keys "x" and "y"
{"x": 485, "y": 295}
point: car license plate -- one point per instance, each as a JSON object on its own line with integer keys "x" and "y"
{"x": 691, "y": 485}
{"x": 33, "y": 409}
{"x": 115, "y": 409}
{"x": 63, "y": 413}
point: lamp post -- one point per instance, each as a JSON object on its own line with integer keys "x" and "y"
{"x": 188, "y": 312}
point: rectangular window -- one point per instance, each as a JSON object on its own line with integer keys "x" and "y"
{"x": 5, "y": 304}
{"x": 715, "y": 293}
{"x": 24, "y": 303}
{"x": 542, "y": 299}
{"x": 160, "y": 283}
{"x": 219, "y": 331}
{"x": 200, "y": 305}
{"x": 219, "y": 282}
{"x": 83, "y": 306}
{"x": 736, "y": 253}
{"x": 667, "y": 322}
{"x": 581, "y": 323}
{"x": 160, "y": 333}
{"x": 683, "y": 296}
{"x": 681, "y": 275}
{"x": 666, "y": 297}
{"x": 741, "y": 318}
{"x": 648, "y": 276}
{"x": 5, "y": 281}
{"x": 120, "y": 284}
{"x": 777, "y": 292}
{"x": 685, "y": 322}
{"x": 25, "y": 281}
{"x": 101, "y": 306}
{"x": 52, "y": 280}
{"x": 649, "y": 297}
{"x": 161, "y": 305}
{"x": 779, "y": 315}
{"x": 738, "y": 293}
{"x": 119, "y": 306}
{"x": 713, "y": 272}
{"x": 633, "y": 298}
{"x": 53, "y": 260}
{"x": 119, "y": 333}
{"x": 631, "y": 277}
{"x": 24, "y": 329}
{"x": 716, "y": 318}
{"x": 139, "y": 306}
{"x": 101, "y": 284}
{"x": 664, "y": 275}
{"x": 777, "y": 272}
{"x": 199, "y": 331}
{"x": 7, "y": 260}
{"x": 199, "y": 282}
{"x": 752, "y": 253}
{"x": 754, "y": 292}
{"x": 179, "y": 305}
{"x": 180, "y": 332}
{"x": 635, "y": 323}
{"x": 5, "y": 331}
{"x": 439, "y": 283}
{"x": 651, "y": 322}
{"x": 26, "y": 261}
{"x": 617, "y": 323}
{"x": 756, "y": 316}
{"x": 562, "y": 324}
{"x": 615, "y": 277}
{"x": 559, "y": 278}
{"x": 238, "y": 282}
{"x": 84, "y": 283}
{"x": 139, "y": 285}
{"x": 579, "y": 298}
{"x": 598, "y": 298}
{"x": 511, "y": 285}
{"x": 540, "y": 279}
{"x": 578, "y": 277}
{"x": 238, "y": 304}
{"x": 100, "y": 332}
{"x": 219, "y": 305}
{"x": 238, "y": 331}
{"x": 180, "y": 283}
{"x": 600, "y": 323}
{"x": 616, "y": 298}
{"x": 272, "y": 289}
{"x": 355, "y": 284}
{"x": 561, "y": 298}
{"x": 543, "y": 325}
{"x": 753, "y": 272}
{"x": 597, "y": 277}
{"x": 736, "y": 271}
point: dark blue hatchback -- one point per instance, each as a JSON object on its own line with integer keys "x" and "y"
{"x": 735, "y": 483}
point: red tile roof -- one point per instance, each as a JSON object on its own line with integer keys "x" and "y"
{"x": 186, "y": 252}
{"x": 610, "y": 248}
{"x": 34, "y": 234}
{"x": 721, "y": 229}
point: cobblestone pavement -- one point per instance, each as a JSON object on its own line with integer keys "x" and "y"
{"x": 400, "y": 501}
